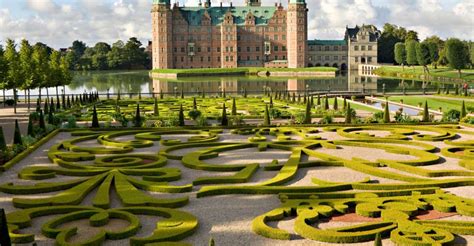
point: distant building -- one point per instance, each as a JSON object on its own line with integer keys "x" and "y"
{"x": 253, "y": 35}
{"x": 208, "y": 36}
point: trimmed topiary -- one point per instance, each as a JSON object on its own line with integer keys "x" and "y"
{"x": 386, "y": 113}
{"x": 224, "y": 120}
{"x": 307, "y": 115}
{"x": 95, "y": 118}
{"x": 194, "y": 103}
{"x": 138, "y": 117}
{"x": 156, "y": 111}
{"x": 30, "y": 130}
{"x": 378, "y": 240}
{"x": 326, "y": 103}
{"x": 42, "y": 123}
{"x": 319, "y": 100}
{"x": 3, "y": 143}
{"x": 335, "y": 106}
{"x": 426, "y": 113}
{"x": 234, "y": 107}
{"x": 181, "y": 116}
{"x": 348, "y": 116}
{"x": 17, "y": 135}
{"x": 463, "y": 110}
{"x": 266, "y": 119}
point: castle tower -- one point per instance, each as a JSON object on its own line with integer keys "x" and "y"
{"x": 162, "y": 34}
{"x": 256, "y": 3}
{"x": 297, "y": 33}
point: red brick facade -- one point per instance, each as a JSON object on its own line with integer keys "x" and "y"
{"x": 229, "y": 37}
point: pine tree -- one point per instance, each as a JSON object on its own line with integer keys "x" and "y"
{"x": 335, "y": 106}
{"x": 17, "y": 135}
{"x": 426, "y": 113}
{"x": 386, "y": 113}
{"x": 95, "y": 118}
{"x": 156, "y": 111}
{"x": 326, "y": 103}
{"x": 224, "y": 120}
{"x": 138, "y": 117}
{"x": 463, "y": 110}
{"x": 64, "y": 102}
{"x": 234, "y": 107}
{"x": 3, "y": 144}
{"x": 195, "y": 104}
{"x": 42, "y": 124}
{"x": 307, "y": 117}
{"x": 181, "y": 115}
{"x": 266, "y": 117}
{"x": 30, "y": 126}
{"x": 348, "y": 114}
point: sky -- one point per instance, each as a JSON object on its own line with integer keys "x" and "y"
{"x": 59, "y": 22}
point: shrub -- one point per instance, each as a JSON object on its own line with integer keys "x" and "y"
{"x": 3, "y": 144}
{"x": 95, "y": 118}
{"x": 275, "y": 113}
{"x": 327, "y": 119}
{"x": 224, "y": 120}
{"x": 201, "y": 121}
{"x": 452, "y": 115}
{"x": 266, "y": 119}
{"x": 71, "y": 122}
{"x": 172, "y": 121}
{"x": 194, "y": 114}
{"x": 138, "y": 119}
{"x": 181, "y": 116}
{"x": 17, "y": 135}
{"x": 237, "y": 120}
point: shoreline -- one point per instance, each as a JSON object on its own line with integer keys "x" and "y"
{"x": 260, "y": 72}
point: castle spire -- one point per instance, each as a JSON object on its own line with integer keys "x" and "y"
{"x": 257, "y": 3}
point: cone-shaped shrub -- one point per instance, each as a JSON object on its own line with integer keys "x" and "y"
{"x": 326, "y": 103}
{"x": 224, "y": 94}
{"x": 52, "y": 106}
{"x": 319, "y": 100}
{"x": 42, "y": 124}
{"x": 294, "y": 98}
{"x": 234, "y": 107}
{"x": 211, "y": 242}
{"x": 378, "y": 240}
{"x": 161, "y": 94}
{"x": 118, "y": 95}
{"x": 426, "y": 113}
{"x": 266, "y": 118}
{"x": 64, "y": 101}
{"x": 30, "y": 126}
{"x": 245, "y": 93}
{"x": 68, "y": 102}
{"x": 307, "y": 116}
{"x": 271, "y": 102}
{"x": 46, "y": 107}
{"x": 386, "y": 113}
{"x": 181, "y": 115}
{"x": 438, "y": 91}
{"x": 348, "y": 119}
{"x": 194, "y": 104}
{"x": 17, "y": 135}
{"x": 344, "y": 104}
{"x": 95, "y": 119}
{"x": 463, "y": 110}
{"x": 156, "y": 111}
{"x": 50, "y": 118}
{"x": 38, "y": 105}
{"x": 138, "y": 117}
{"x": 305, "y": 99}
{"x": 3, "y": 144}
{"x": 299, "y": 98}
{"x": 58, "y": 104}
{"x": 224, "y": 120}
{"x": 335, "y": 106}
{"x": 182, "y": 94}
{"x": 312, "y": 101}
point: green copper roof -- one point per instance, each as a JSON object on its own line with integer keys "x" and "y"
{"x": 327, "y": 42}
{"x": 194, "y": 14}
{"x": 298, "y": 1}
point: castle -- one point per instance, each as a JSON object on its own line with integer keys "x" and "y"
{"x": 253, "y": 35}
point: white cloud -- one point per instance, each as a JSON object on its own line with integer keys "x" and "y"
{"x": 58, "y": 24}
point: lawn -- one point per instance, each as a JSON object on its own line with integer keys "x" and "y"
{"x": 433, "y": 103}
{"x": 393, "y": 71}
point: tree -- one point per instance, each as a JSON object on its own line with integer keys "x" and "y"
{"x": 318, "y": 102}
{"x": 194, "y": 104}
{"x": 78, "y": 47}
{"x": 400, "y": 54}
{"x": 181, "y": 116}
{"x": 224, "y": 120}
{"x": 3, "y": 73}
{"x": 386, "y": 113}
{"x": 95, "y": 118}
{"x": 411, "y": 52}
{"x": 27, "y": 68}
{"x": 138, "y": 117}
{"x": 326, "y": 103}
{"x": 234, "y": 107}
{"x": 156, "y": 111}
{"x": 307, "y": 117}
{"x": 134, "y": 53}
{"x": 30, "y": 131}
{"x": 348, "y": 119}
{"x": 423, "y": 55}
{"x": 463, "y": 110}
{"x": 426, "y": 113}
{"x": 14, "y": 76}
{"x": 335, "y": 106}
{"x": 116, "y": 57}
{"x": 17, "y": 135}
{"x": 66, "y": 76}
{"x": 41, "y": 68}
{"x": 412, "y": 35}
{"x": 457, "y": 54}
{"x": 266, "y": 117}
{"x": 42, "y": 124}
{"x": 55, "y": 77}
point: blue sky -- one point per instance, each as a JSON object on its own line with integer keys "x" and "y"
{"x": 59, "y": 22}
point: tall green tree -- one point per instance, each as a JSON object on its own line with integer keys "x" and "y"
{"x": 41, "y": 68}
{"x": 400, "y": 54}
{"x": 3, "y": 73}
{"x": 55, "y": 73}
{"x": 423, "y": 55}
{"x": 14, "y": 76}
{"x": 27, "y": 68}
{"x": 457, "y": 54}
{"x": 411, "y": 52}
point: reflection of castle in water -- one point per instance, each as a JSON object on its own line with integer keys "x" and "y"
{"x": 344, "y": 82}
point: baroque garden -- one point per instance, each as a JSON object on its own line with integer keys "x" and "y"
{"x": 241, "y": 145}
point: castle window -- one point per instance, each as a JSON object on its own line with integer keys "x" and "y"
{"x": 284, "y": 58}
{"x": 283, "y": 37}
{"x": 275, "y": 48}
{"x": 275, "y": 29}
{"x": 231, "y": 49}
{"x": 369, "y": 59}
{"x": 182, "y": 59}
{"x": 239, "y": 58}
{"x": 356, "y": 47}
{"x": 227, "y": 58}
{"x": 248, "y": 49}
{"x": 218, "y": 49}
{"x": 208, "y": 49}
{"x": 362, "y": 47}
{"x": 248, "y": 58}
{"x": 336, "y": 58}
{"x": 238, "y": 49}
{"x": 276, "y": 57}
{"x": 226, "y": 49}
{"x": 283, "y": 48}
{"x": 191, "y": 59}
{"x": 202, "y": 59}
{"x": 369, "y": 47}
{"x": 231, "y": 58}
{"x": 275, "y": 37}
{"x": 218, "y": 58}
{"x": 336, "y": 48}
{"x": 175, "y": 49}
{"x": 257, "y": 48}
{"x": 208, "y": 58}
{"x": 326, "y": 48}
{"x": 182, "y": 49}
{"x": 258, "y": 58}
{"x": 326, "y": 58}
{"x": 199, "y": 49}
{"x": 356, "y": 59}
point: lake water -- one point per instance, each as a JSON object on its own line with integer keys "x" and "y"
{"x": 127, "y": 82}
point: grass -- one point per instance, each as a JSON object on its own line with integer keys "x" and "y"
{"x": 433, "y": 103}
{"x": 239, "y": 71}
{"x": 441, "y": 72}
